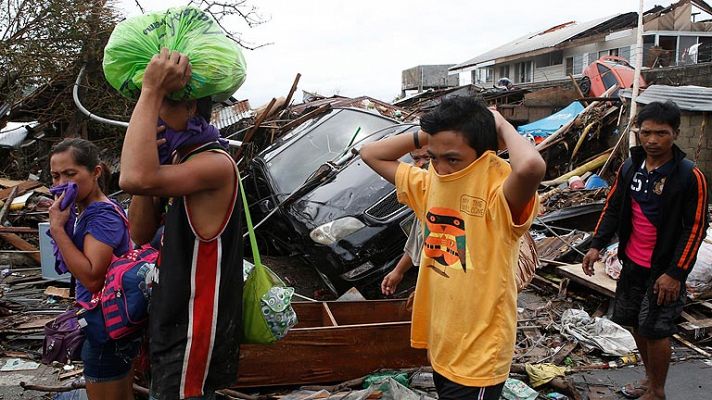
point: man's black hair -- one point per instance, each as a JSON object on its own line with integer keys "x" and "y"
{"x": 203, "y": 106}
{"x": 663, "y": 113}
{"x": 466, "y": 115}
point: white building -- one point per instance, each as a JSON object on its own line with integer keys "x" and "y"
{"x": 673, "y": 35}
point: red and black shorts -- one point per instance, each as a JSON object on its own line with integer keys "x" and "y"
{"x": 636, "y": 305}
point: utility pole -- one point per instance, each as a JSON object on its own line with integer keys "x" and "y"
{"x": 636, "y": 77}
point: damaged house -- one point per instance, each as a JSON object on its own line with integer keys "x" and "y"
{"x": 675, "y": 35}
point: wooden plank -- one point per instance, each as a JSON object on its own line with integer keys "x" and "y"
{"x": 21, "y": 244}
{"x": 563, "y": 352}
{"x": 22, "y": 188}
{"x": 599, "y": 282}
{"x": 329, "y": 315}
{"x": 292, "y": 90}
{"x": 255, "y": 127}
{"x": 697, "y": 328}
{"x": 8, "y": 183}
{"x": 57, "y": 292}
{"x": 312, "y": 355}
{"x": 17, "y": 229}
{"x": 691, "y": 346}
{"x": 336, "y": 354}
{"x": 369, "y": 312}
{"x": 8, "y": 203}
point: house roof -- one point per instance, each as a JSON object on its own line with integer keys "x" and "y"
{"x": 551, "y": 37}
{"x": 225, "y": 116}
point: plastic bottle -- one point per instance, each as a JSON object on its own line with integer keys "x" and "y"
{"x": 628, "y": 359}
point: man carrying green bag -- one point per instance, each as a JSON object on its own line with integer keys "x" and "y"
{"x": 190, "y": 184}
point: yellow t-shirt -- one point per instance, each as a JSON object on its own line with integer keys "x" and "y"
{"x": 465, "y": 311}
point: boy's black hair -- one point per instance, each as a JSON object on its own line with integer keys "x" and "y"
{"x": 466, "y": 115}
{"x": 663, "y": 113}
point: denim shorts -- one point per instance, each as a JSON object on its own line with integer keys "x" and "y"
{"x": 636, "y": 306}
{"x": 111, "y": 361}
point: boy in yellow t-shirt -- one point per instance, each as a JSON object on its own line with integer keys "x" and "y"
{"x": 473, "y": 207}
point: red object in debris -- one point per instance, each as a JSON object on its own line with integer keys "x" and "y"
{"x": 605, "y": 72}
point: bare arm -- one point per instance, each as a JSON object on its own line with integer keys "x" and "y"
{"x": 382, "y": 156}
{"x": 528, "y": 167}
{"x": 141, "y": 172}
{"x": 144, "y": 218}
{"x": 88, "y": 267}
{"x": 390, "y": 282}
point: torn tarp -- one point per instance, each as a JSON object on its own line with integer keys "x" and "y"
{"x": 546, "y": 126}
{"x": 12, "y": 135}
{"x": 600, "y": 333}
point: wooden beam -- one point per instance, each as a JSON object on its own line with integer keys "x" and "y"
{"x": 565, "y": 128}
{"x": 600, "y": 282}
{"x": 292, "y": 90}
{"x": 17, "y": 229}
{"x": 21, "y": 244}
{"x": 578, "y": 89}
{"x": 6, "y": 206}
{"x": 251, "y": 131}
{"x": 329, "y": 315}
{"x": 697, "y": 324}
{"x": 690, "y": 345}
{"x": 21, "y": 189}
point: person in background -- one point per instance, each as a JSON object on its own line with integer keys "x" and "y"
{"x": 99, "y": 234}
{"x": 658, "y": 208}
{"x": 474, "y": 207}
{"x": 414, "y": 245}
{"x": 190, "y": 186}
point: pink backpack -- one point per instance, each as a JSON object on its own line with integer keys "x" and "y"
{"x": 124, "y": 298}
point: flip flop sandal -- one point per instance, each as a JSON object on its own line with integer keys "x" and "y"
{"x": 633, "y": 390}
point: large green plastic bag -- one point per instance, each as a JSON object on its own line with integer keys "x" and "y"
{"x": 217, "y": 64}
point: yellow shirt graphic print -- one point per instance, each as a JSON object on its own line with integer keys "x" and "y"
{"x": 445, "y": 240}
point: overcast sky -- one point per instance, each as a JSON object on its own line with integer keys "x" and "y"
{"x": 360, "y": 47}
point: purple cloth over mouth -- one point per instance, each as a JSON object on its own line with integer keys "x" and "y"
{"x": 197, "y": 132}
{"x": 70, "y": 196}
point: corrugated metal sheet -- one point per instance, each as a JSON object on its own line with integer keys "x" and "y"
{"x": 12, "y": 135}
{"x": 688, "y": 98}
{"x": 535, "y": 41}
{"x": 230, "y": 115}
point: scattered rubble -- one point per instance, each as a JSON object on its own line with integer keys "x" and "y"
{"x": 562, "y": 332}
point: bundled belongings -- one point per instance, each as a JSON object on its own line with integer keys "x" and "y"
{"x": 217, "y": 64}
{"x": 699, "y": 282}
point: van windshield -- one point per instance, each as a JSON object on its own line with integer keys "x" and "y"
{"x": 327, "y": 141}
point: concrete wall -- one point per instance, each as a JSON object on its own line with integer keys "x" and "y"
{"x": 689, "y": 140}
{"x": 551, "y": 73}
{"x": 428, "y": 76}
{"x": 698, "y": 74}
{"x": 465, "y": 77}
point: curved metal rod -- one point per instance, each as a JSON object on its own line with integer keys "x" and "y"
{"x": 75, "y": 95}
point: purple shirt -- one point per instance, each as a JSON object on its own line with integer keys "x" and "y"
{"x": 102, "y": 221}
